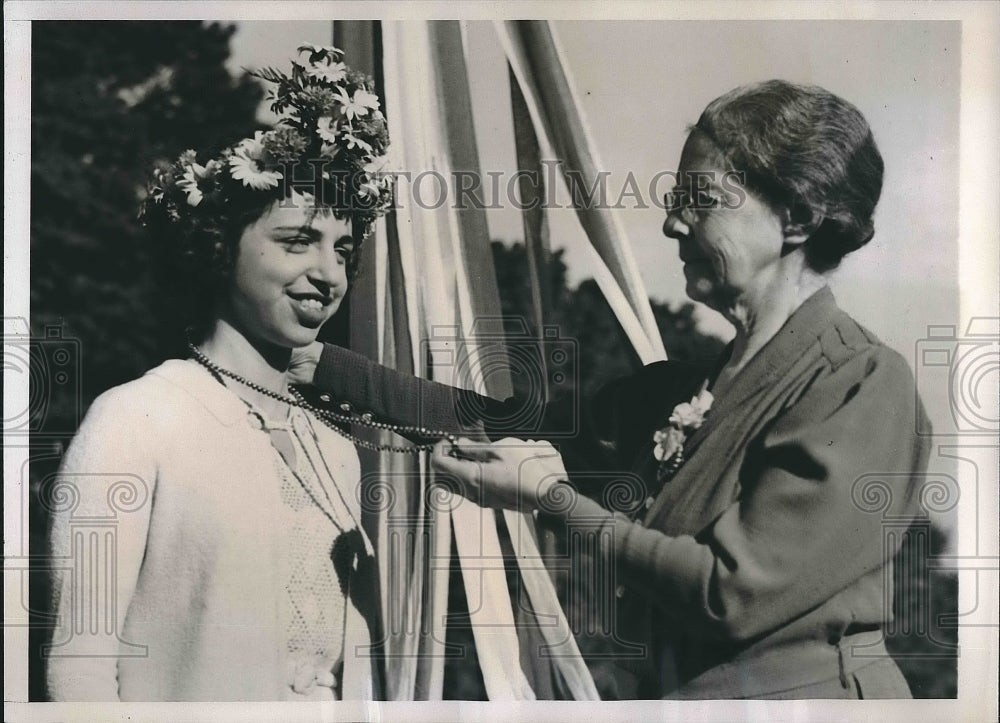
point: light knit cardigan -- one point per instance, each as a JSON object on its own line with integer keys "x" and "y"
{"x": 178, "y": 496}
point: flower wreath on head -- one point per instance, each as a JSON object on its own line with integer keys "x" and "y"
{"x": 330, "y": 138}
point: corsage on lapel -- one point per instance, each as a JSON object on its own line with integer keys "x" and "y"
{"x": 685, "y": 419}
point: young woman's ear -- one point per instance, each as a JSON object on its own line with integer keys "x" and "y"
{"x": 799, "y": 224}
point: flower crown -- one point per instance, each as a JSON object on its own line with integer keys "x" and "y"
{"x": 330, "y": 139}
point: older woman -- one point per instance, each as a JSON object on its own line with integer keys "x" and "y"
{"x": 758, "y": 570}
{"x": 749, "y": 566}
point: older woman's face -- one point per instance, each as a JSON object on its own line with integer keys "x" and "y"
{"x": 290, "y": 274}
{"x": 729, "y": 239}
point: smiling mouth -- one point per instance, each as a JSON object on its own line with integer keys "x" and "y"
{"x": 312, "y": 310}
{"x": 311, "y": 302}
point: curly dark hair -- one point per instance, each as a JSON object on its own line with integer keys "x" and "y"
{"x": 195, "y": 254}
{"x": 326, "y": 144}
{"x": 805, "y": 150}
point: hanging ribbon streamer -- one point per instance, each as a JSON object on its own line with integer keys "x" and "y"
{"x": 449, "y": 268}
{"x": 537, "y": 63}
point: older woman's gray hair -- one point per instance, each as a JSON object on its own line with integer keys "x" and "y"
{"x": 804, "y": 150}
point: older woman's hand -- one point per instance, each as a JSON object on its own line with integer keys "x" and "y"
{"x": 303, "y": 362}
{"x": 511, "y": 473}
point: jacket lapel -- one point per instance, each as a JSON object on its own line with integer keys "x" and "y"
{"x": 762, "y": 372}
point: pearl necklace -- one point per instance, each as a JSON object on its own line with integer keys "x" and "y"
{"x": 330, "y": 418}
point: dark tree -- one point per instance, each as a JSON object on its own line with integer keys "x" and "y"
{"x": 923, "y": 636}
{"x": 108, "y": 101}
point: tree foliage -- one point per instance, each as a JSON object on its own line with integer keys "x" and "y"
{"x": 110, "y": 100}
{"x": 923, "y": 637}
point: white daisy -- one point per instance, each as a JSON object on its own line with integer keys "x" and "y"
{"x": 246, "y": 163}
{"x": 252, "y": 147}
{"x": 189, "y": 185}
{"x": 359, "y": 105}
{"x": 326, "y": 128}
{"x": 328, "y": 71}
{"x": 188, "y": 182}
{"x": 355, "y": 142}
{"x": 367, "y": 100}
{"x": 252, "y": 172}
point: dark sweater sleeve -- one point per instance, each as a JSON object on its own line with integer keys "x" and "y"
{"x": 803, "y": 528}
{"x": 593, "y": 433}
{"x": 403, "y": 399}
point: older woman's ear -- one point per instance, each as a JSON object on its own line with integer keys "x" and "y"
{"x": 799, "y": 224}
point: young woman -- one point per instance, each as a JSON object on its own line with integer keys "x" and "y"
{"x": 240, "y": 570}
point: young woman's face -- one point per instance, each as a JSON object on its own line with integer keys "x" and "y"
{"x": 290, "y": 274}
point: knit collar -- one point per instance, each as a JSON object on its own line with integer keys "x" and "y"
{"x": 199, "y": 383}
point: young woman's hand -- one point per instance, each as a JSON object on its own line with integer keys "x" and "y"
{"x": 302, "y": 365}
{"x": 512, "y": 473}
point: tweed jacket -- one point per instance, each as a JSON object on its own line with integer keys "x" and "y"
{"x": 180, "y": 599}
